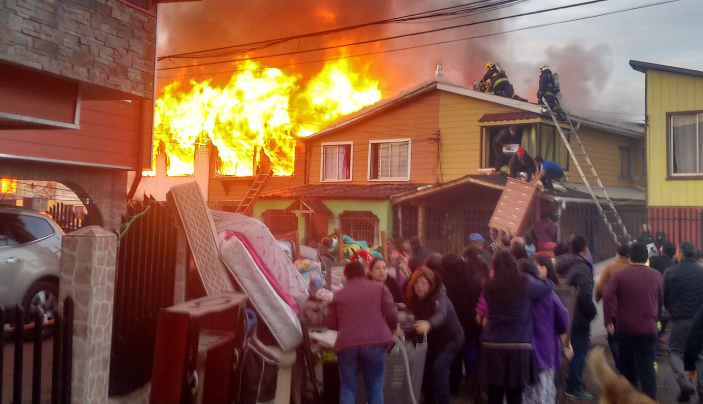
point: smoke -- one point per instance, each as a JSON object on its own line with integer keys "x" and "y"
{"x": 192, "y": 26}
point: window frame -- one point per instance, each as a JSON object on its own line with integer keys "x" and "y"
{"x": 369, "y": 167}
{"x": 630, "y": 166}
{"x": 322, "y": 161}
{"x": 643, "y": 162}
{"x": 670, "y": 175}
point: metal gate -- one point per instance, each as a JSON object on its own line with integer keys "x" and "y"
{"x": 144, "y": 283}
{"x": 60, "y": 328}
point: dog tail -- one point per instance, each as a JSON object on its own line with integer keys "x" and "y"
{"x": 599, "y": 367}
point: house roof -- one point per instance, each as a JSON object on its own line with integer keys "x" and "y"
{"x": 308, "y": 205}
{"x": 378, "y": 191}
{"x": 509, "y": 116}
{"x": 527, "y": 110}
{"x": 644, "y": 66}
{"x": 574, "y": 192}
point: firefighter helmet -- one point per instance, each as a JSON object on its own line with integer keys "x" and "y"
{"x": 490, "y": 65}
{"x": 543, "y": 68}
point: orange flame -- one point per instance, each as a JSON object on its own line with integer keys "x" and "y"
{"x": 259, "y": 109}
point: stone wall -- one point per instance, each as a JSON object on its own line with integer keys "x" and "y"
{"x": 103, "y": 42}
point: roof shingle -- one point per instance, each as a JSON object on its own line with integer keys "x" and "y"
{"x": 341, "y": 191}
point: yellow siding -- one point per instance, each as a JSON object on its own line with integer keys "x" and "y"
{"x": 603, "y": 149}
{"x": 669, "y": 92}
{"x": 416, "y": 120}
{"x": 460, "y": 138}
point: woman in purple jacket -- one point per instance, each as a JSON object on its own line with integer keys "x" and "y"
{"x": 508, "y": 363}
{"x": 363, "y": 313}
{"x": 550, "y": 319}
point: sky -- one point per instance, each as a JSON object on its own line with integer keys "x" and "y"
{"x": 591, "y": 56}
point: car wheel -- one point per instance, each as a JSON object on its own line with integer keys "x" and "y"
{"x": 42, "y": 298}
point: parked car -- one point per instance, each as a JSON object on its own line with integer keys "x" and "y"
{"x": 30, "y": 252}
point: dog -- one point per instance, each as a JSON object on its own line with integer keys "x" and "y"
{"x": 616, "y": 388}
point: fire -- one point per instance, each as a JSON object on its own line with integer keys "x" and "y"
{"x": 259, "y": 110}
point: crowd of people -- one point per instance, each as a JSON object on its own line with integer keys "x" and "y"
{"x": 495, "y": 325}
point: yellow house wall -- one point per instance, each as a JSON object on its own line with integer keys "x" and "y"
{"x": 603, "y": 149}
{"x": 460, "y": 139}
{"x": 669, "y": 92}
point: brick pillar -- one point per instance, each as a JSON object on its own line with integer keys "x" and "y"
{"x": 88, "y": 260}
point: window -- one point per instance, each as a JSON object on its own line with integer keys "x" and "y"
{"x": 552, "y": 147}
{"x": 625, "y": 162}
{"x": 643, "y": 163}
{"x": 685, "y": 144}
{"x": 279, "y": 221}
{"x": 359, "y": 225}
{"x": 389, "y": 160}
{"x": 25, "y": 229}
{"x": 336, "y": 162}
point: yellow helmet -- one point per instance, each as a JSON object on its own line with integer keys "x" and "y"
{"x": 490, "y": 65}
{"x": 543, "y": 68}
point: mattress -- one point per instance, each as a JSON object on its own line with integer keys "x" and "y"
{"x": 200, "y": 231}
{"x": 270, "y": 307}
{"x": 268, "y": 250}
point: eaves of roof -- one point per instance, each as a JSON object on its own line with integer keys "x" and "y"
{"x": 644, "y": 66}
{"x": 338, "y": 191}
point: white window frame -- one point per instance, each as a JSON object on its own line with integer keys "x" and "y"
{"x": 630, "y": 166}
{"x": 322, "y": 161}
{"x": 670, "y": 144}
{"x": 371, "y": 155}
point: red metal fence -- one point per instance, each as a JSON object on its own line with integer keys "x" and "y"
{"x": 680, "y": 223}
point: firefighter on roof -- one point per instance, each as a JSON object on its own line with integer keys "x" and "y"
{"x": 549, "y": 90}
{"x": 499, "y": 83}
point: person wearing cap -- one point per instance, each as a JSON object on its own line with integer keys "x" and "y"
{"x": 522, "y": 163}
{"x": 479, "y": 242}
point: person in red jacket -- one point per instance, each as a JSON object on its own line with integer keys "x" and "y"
{"x": 364, "y": 315}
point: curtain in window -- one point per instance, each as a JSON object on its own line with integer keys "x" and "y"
{"x": 391, "y": 160}
{"x": 330, "y": 163}
{"x": 343, "y": 161}
{"x": 529, "y": 140}
{"x": 547, "y": 143}
{"x": 684, "y": 144}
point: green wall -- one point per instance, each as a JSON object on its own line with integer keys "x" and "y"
{"x": 382, "y": 209}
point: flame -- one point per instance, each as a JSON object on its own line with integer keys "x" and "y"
{"x": 260, "y": 109}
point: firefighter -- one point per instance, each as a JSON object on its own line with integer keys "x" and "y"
{"x": 549, "y": 90}
{"x": 500, "y": 85}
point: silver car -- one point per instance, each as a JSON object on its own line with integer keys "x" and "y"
{"x": 30, "y": 251}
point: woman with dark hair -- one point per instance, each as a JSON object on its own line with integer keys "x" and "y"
{"x": 475, "y": 262}
{"x": 508, "y": 363}
{"x": 550, "y": 319}
{"x": 545, "y": 266}
{"x": 463, "y": 289}
{"x": 435, "y": 316}
{"x": 379, "y": 272}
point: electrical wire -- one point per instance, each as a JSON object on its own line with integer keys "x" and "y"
{"x": 462, "y": 10}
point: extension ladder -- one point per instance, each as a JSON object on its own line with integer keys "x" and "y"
{"x": 605, "y": 205}
{"x": 252, "y": 195}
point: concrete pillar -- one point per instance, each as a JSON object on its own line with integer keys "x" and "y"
{"x": 88, "y": 260}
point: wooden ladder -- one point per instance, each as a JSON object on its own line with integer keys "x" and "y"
{"x": 605, "y": 205}
{"x": 247, "y": 204}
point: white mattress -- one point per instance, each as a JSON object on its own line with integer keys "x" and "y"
{"x": 267, "y": 248}
{"x": 272, "y": 310}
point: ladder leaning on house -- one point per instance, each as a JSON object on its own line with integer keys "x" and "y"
{"x": 253, "y": 193}
{"x": 605, "y": 205}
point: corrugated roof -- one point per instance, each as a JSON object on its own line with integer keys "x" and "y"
{"x": 341, "y": 191}
{"x": 509, "y": 116}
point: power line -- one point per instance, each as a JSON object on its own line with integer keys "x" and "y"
{"x": 349, "y": 44}
{"x": 416, "y": 46}
{"x": 462, "y": 10}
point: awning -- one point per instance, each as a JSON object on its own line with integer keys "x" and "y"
{"x": 510, "y": 116}
{"x": 307, "y": 206}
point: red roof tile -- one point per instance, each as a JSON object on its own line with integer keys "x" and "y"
{"x": 509, "y": 116}
{"x": 341, "y": 191}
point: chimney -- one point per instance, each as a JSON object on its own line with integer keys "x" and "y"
{"x": 439, "y": 72}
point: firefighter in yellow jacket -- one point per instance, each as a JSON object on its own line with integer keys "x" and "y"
{"x": 500, "y": 85}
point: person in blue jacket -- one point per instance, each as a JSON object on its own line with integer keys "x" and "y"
{"x": 547, "y": 172}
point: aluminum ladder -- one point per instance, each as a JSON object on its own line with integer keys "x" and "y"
{"x": 605, "y": 205}
{"x": 246, "y": 205}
